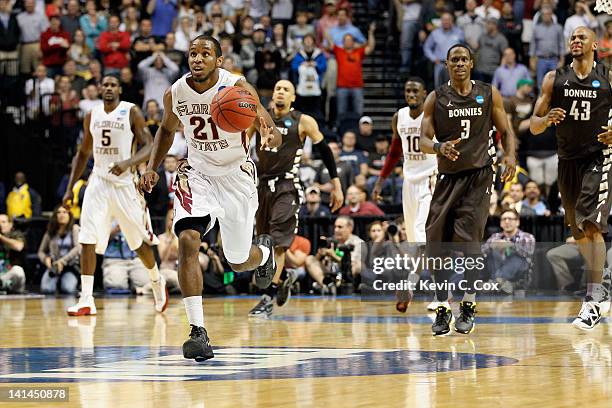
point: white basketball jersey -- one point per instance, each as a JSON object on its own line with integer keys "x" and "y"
{"x": 417, "y": 165}
{"x": 210, "y": 150}
{"x": 113, "y": 141}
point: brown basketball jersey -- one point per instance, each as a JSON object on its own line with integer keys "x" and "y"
{"x": 588, "y": 107}
{"x": 469, "y": 118}
{"x": 282, "y": 161}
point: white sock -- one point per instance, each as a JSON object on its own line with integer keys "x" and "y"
{"x": 87, "y": 282}
{"x": 194, "y": 310}
{"x": 154, "y": 273}
{"x": 265, "y": 253}
{"x": 469, "y": 297}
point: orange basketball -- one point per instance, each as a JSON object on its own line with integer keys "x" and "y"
{"x": 233, "y": 109}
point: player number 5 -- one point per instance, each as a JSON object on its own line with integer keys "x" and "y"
{"x": 465, "y": 125}
{"x": 106, "y": 140}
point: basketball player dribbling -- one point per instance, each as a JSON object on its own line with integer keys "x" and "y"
{"x": 420, "y": 171}
{"x": 216, "y": 182}
{"x": 461, "y": 115}
{"x": 111, "y": 130}
{"x": 577, "y": 99}
{"x": 280, "y": 192}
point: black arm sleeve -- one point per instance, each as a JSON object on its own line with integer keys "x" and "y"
{"x": 327, "y": 157}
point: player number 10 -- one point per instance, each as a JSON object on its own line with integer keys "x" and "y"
{"x": 577, "y": 114}
{"x": 465, "y": 125}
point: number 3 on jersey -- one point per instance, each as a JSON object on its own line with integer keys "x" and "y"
{"x": 577, "y": 114}
{"x": 465, "y": 126}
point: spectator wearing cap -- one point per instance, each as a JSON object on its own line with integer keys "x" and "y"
{"x": 376, "y": 162}
{"x": 312, "y": 206}
{"x": 308, "y": 68}
{"x": 163, "y": 15}
{"x": 366, "y": 138}
{"x": 547, "y": 47}
{"x": 31, "y": 24}
{"x": 438, "y": 43}
{"x": 349, "y": 84}
{"x": 114, "y": 46}
{"x": 54, "y": 44}
{"x": 357, "y": 204}
{"x": 491, "y": 46}
{"x": 487, "y": 9}
{"x": 509, "y": 73}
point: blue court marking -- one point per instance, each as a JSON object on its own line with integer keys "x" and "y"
{"x": 162, "y": 364}
{"x": 422, "y": 319}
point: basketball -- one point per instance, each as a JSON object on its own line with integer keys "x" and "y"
{"x": 233, "y": 109}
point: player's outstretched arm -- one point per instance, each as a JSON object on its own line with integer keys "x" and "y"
{"x": 80, "y": 160}
{"x": 395, "y": 152}
{"x": 500, "y": 120}
{"x": 308, "y": 126}
{"x": 427, "y": 144}
{"x": 144, "y": 139}
{"x": 543, "y": 116}
{"x": 270, "y": 136}
{"x": 162, "y": 143}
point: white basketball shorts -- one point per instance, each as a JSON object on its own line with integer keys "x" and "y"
{"x": 105, "y": 201}
{"x": 416, "y": 197}
{"x": 230, "y": 199}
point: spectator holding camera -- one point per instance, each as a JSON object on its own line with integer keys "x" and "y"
{"x": 329, "y": 257}
{"x": 59, "y": 252}
{"x": 509, "y": 252}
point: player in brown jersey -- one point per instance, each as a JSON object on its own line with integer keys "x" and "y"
{"x": 577, "y": 99}
{"x": 461, "y": 115}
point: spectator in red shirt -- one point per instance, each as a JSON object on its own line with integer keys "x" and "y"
{"x": 54, "y": 44}
{"x": 349, "y": 58}
{"x": 358, "y": 204}
{"x": 114, "y": 46}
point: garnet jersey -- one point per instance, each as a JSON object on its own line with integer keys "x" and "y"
{"x": 417, "y": 165}
{"x": 113, "y": 141}
{"x": 210, "y": 150}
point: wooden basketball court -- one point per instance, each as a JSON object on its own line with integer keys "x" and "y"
{"x": 314, "y": 352}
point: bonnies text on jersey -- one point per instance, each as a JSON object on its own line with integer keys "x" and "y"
{"x": 456, "y": 113}
{"x": 193, "y": 109}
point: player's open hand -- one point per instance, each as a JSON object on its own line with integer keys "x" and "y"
{"x": 555, "y": 116}
{"x": 68, "y": 197}
{"x": 605, "y": 137}
{"x": 148, "y": 180}
{"x": 377, "y": 190}
{"x": 265, "y": 133}
{"x": 509, "y": 165}
{"x": 118, "y": 168}
{"x": 447, "y": 149}
{"x": 336, "y": 199}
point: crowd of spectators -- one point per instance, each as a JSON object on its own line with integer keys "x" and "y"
{"x": 58, "y": 52}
